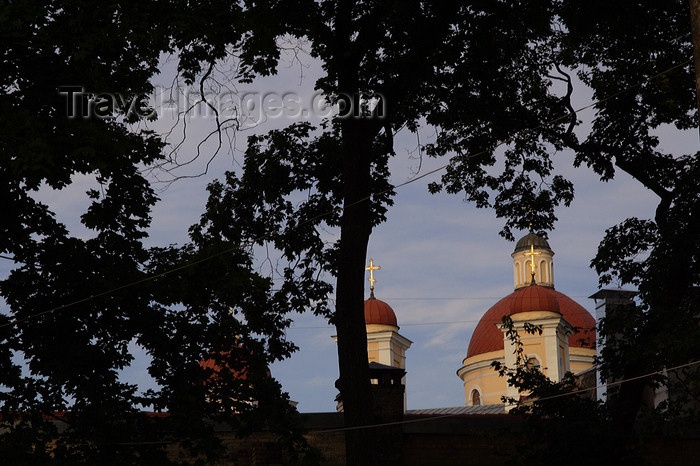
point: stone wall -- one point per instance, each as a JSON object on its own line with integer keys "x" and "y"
{"x": 473, "y": 440}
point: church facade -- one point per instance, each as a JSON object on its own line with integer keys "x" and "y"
{"x": 567, "y": 341}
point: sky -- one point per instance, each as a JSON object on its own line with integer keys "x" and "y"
{"x": 443, "y": 264}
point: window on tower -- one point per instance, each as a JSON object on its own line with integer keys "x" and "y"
{"x": 543, "y": 272}
{"x": 476, "y": 397}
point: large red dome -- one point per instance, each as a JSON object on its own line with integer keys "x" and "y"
{"x": 379, "y": 312}
{"x": 487, "y": 336}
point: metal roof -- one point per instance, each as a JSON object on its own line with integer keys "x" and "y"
{"x": 531, "y": 239}
{"x": 460, "y": 410}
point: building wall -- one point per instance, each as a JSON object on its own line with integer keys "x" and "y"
{"x": 580, "y": 359}
{"x": 478, "y": 374}
{"x": 386, "y": 346}
{"x": 551, "y": 349}
{"x": 472, "y": 441}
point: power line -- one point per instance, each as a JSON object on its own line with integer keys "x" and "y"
{"x": 460, "y": 298}
{"x": 119, "y": 288}
{"x": 575, "y": 392}
{"x": 412, "y": 324}
{"x": 617, "y": 382}
{"x": 252, "y": 242}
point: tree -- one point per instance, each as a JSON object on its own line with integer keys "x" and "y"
{"x": 79, "y": 301}
{"x": 644, "y": 63}
{"x": 73, "y": 354}
{"x": 559, "y": 417}
{"x": 636, "y": 58}
{"x": 479, "y": 73}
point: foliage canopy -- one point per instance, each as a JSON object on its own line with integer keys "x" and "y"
{"x": 481, "y": 73}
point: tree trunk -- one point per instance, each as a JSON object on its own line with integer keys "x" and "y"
{"x": 355, "y": 228}
{"x": 354, "y": 381}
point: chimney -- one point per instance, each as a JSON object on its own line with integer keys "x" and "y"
{"x": 607, "y": 303}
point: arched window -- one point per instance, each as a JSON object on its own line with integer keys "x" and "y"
{"x": 543, "y": 272}
{"x": 527, "y": 272}
{"x": 551, "y": 272}
{"x": 476, "y": 397}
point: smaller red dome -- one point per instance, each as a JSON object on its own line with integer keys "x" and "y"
{"x": 379, "y": 312}
{"x": 213, "y": 364}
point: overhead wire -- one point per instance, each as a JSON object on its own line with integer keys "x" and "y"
{"x": 614, "y": 383}
{"x": 252, "y": 241}
{"x": 535, "y": 400}
{"x": 427, "y": 418}
{"x": 419, "y": 324}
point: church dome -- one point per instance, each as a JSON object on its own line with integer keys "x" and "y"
{"x": 379, "y": 312}
{"x": 214, "y": 364}
{"x": 488, "y": 337}
{"x": 534, "y": 298}
{"x": 531, "y": 239}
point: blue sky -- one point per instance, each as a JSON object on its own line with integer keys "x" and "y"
{"x": 443, "y": 262}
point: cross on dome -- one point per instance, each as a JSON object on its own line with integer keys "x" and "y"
{"x": 532, "y": 255}
{"x": 371, "y": 279}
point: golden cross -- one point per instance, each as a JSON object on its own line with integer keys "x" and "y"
{"x": 371, "y": 269}
{"x": 532, "y": 255}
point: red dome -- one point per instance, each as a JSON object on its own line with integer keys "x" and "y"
{"x": 213, "y": 364}
{"x": 534, "y": 298}
{"x": 487, "y": 336}
{"x": 379, "y": 312}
